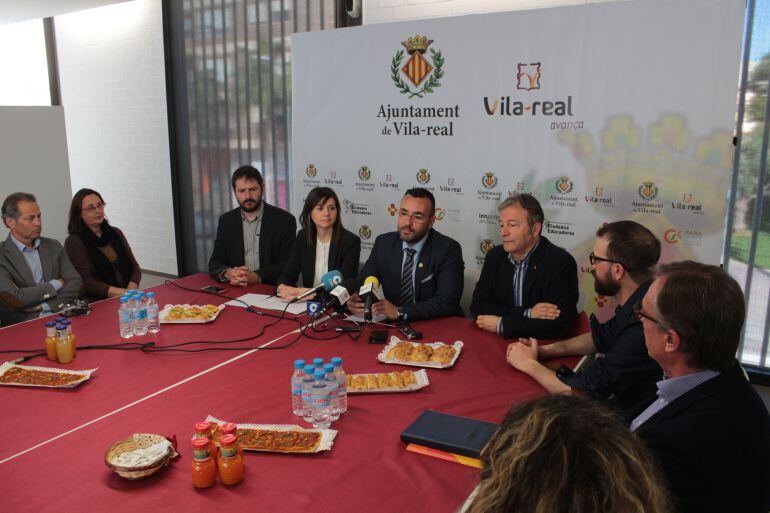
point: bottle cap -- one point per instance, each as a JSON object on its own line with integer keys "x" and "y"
{"x": 319, "y": 374}
{"x": 150, "y": 294}
{"x": 309, "y": 369}
{"x": 124, "y": 299}
{"x": 229, "y": 428}
{"x": 66, "y": 322}
{"x": 227, "y": 440}
{"x": 139, "y": 293}
{"x": 299, "y": 364}
{"x": 50, "y": 325}
{"x": 317, "y": 362}
{"x": 60, "y": 319}
{"x": 203, "y": 427}
{"x": 337, "y": 361}
{"x": 201, "y": 442}
{"x": 329, "y": 368}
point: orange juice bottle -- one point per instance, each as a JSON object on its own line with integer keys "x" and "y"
{"x": 230, "y": 462}
{"x": 63, "y": 346}
{"x": 205, "y": 429}
{"x": 203, "y": 470}
{"x": 71, "y": 337}
{"x": 230, "y": 428}
{"x": 50, "y": 340}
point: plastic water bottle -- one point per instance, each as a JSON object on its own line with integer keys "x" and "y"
{"x": 331, "y": 391}
{"x": 153, "y": 321}
{"x": 342, "y": 386}
{"x": 318, "y": 364}
{"x": 307, "y": 394}
{"x": 320, "y": 401}
{"x": 296, "y": 387}
{"x": 125, "y": 320}
{"x": 140, "y": 314}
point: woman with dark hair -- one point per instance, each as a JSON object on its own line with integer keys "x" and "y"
{"x": 99, "y": 251}
{"x": 567, "y": 454}
{"x": 322, "y": 245}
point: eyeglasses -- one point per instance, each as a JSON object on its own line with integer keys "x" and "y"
{"x": 639, "y": 314}
{"x": 593, "y": 259}
{"x": 98, "y": 206}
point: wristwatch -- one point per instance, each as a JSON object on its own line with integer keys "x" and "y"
{"x": 401, "y": 314}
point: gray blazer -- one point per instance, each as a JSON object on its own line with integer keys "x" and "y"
{"x": 18, "y": 290}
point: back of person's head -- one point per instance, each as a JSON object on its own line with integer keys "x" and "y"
{"x": 567, "y": 454}
{"x": 249, "y": 173}
{"x": 706, "y": 307}
{"x": 10, "y": 209}
{"x": 75, "y": 223}
{"x": 527, "y": 202}
{"x": 634, "y": 246}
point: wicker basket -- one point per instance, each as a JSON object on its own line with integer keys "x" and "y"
{"x": 138, "y": 441}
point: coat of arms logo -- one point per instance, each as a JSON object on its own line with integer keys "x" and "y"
{"x": 486, "y": 246}
{"x": 423, "y": 176}
{"x": 364, "y": 173}
{"x": 489, "y": 180}
{"x": 311, "y": 171}
{"x": 564, "y": 185}
{"x": 648, "y": 191}
{"x": 424, "y": 76}
{"x": 365, "y": 232}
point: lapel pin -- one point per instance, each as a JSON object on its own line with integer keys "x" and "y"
{"x": 419, "y": 265}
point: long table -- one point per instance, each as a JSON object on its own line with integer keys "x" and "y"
{"x": 53, "y": 458}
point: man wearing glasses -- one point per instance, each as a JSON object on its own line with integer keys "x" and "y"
{"x": 528, "y": 286}
{"x": 622, "y": 261}
{"x": 420, "y": 270}
{"x": 705, "y": 423}
{"x": 36, "y": 277}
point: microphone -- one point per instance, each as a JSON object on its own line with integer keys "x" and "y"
{"x": 328, "y": 282}
{"x": 370, "y": 292}
{"x": 339, "y": 296}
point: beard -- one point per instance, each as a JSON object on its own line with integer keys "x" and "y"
{"x": 604, "y": 287}
{"x": 412, "y": 236}
{"x": 251, "y": 205}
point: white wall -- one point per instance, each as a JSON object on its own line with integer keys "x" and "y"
{"x": 113, "y": 92}
{"x": 380, "y": 11}
{"x": 33, "y": 146}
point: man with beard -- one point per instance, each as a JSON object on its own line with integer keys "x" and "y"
{"x": 419, "y": 269}
{"x": 528, "y": 286}
{"x": 622, "y": 262}
{"x": 36, "y": 276}
{"x": 254, "y": 240}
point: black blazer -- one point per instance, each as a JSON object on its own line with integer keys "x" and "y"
{"x": 438, "y": 277}
{"x": 551, "y": 277}
{"x": 713, "y": 443}
{"x": 276, "y": 238}
{"x": 343, "y": 256}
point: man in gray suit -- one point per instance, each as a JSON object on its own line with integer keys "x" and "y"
{"x": 36, "y": 277}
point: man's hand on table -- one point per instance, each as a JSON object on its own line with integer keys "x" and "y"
{"x": 546, "y": 311}
{"x": 241, "y": 276}
{"x": 523, "y": 354}
{"x": 488, "y": 322}
{"x": 386, "y": 308}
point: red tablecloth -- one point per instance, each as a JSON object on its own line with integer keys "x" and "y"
{"x": 368, "y": 466}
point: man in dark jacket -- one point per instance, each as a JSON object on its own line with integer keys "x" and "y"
{"x": 254, "y": 240}
{"x": 706, "y": 425}
{"x": 528, "y": 286}
{"x": 420, "y": 270}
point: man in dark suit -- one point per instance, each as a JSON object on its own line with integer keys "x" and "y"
{"x": 622, "y": 262}
{"x": 707, "y": 426}
{"x": 254, "y": 240}
{"x": 36, "y": 277}
{"x": 419, "y": 269}
{"x": 528, "y": 286}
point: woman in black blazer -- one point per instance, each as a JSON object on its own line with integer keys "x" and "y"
{"x": 322, "y": 232}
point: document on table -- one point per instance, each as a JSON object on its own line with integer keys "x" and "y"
{"x": 360, "y": 320}
{"x": 268, "y": 303}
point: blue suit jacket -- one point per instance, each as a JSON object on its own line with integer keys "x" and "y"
{"x": 438, "y": 276}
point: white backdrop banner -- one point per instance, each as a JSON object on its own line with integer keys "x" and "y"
{"x": 604, "y": 112}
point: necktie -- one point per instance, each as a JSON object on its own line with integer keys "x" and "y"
{"x": 407, "y": 287}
